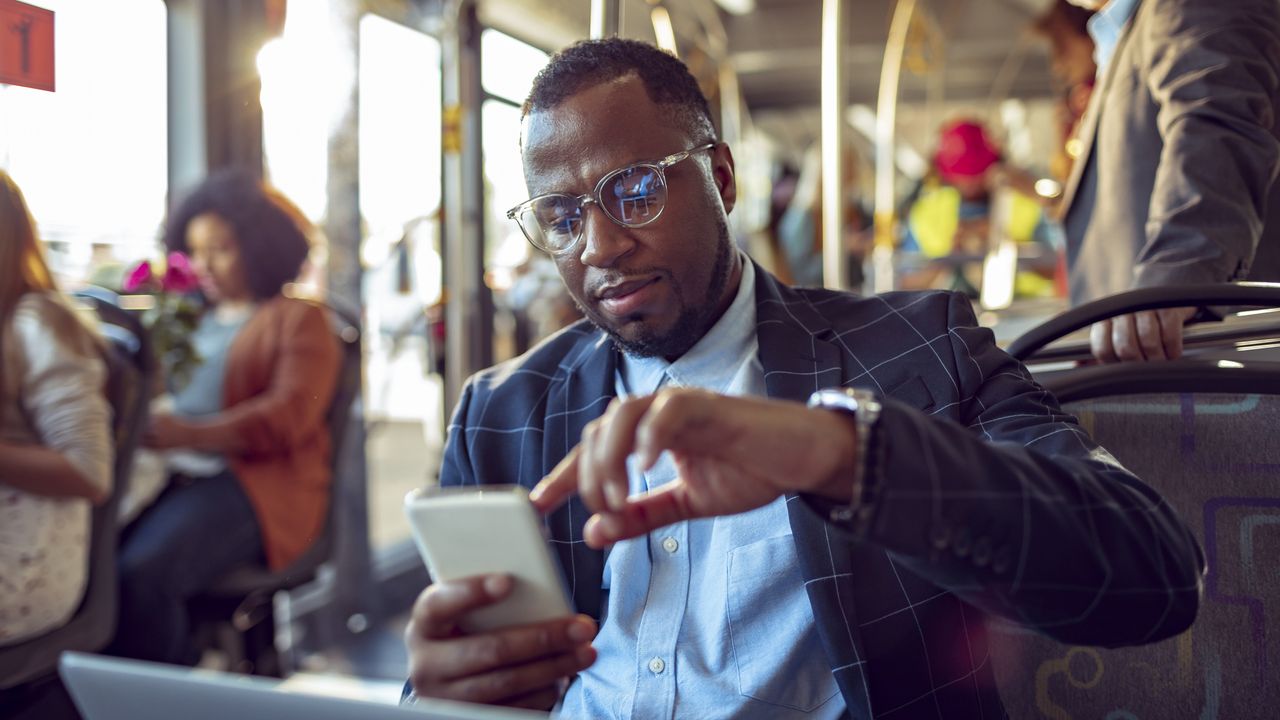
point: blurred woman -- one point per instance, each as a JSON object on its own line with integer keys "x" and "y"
{"x": 55, "y": 435}
{"x": 249, "y": 447}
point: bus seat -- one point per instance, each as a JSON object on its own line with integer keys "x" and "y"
{"x": 236, "y": 615}
{"x": 1207, "y": 442}
{"x": 93, "y": 625}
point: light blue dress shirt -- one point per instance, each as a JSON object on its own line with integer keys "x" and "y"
{"x": 1106, "y": 26}
{"x": 710, "y": 618}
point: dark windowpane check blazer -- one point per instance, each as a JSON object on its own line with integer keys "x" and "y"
{"x": 994, "y": 502}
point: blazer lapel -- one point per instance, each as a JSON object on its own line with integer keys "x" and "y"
{"x": 1087, "y": 132}
{"x": 797, "y": 350}
{"x": 583, "y": 387}
{"x": 800, "y": 354}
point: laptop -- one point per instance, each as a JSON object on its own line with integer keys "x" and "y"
{"x": 106, "y": 688}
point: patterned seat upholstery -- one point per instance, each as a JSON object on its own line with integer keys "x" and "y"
{"x": 1216, "y": 458}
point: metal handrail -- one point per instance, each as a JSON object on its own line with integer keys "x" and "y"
{"x": 1175, "y": 376}
{"x": 1254, "y": 294}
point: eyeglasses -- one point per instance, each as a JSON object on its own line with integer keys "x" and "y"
{"x": 632, "y": 197}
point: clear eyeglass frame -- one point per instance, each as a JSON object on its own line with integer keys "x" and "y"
{"x": 593, "y": 197}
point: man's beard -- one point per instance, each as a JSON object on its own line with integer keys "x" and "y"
{"x": 695, "y": 318}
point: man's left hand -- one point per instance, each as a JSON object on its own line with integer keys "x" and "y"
{"x": 732, "y": 454}
{"x": 1144, "y": 335}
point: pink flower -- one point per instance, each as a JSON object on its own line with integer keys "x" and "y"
{"x": 140, "y": 277}
{"x": 178, "y": 276}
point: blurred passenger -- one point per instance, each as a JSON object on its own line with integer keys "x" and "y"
{"x": 539, "y": 300}
{"x": 1176, "y": 180}
{"x": 55, "y": 435}
{"x": 1065, "y": 26}
{"x": 250, "y": 461}
{"x": 950, "y": 219}
{"x": 800, "y": 227}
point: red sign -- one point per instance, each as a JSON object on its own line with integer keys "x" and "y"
{"x": 26, "y": 45}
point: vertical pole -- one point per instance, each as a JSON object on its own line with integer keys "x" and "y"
{"x": 353, "y": 601}
{"x": 469, "y": 309}
{"x": 886, "y": 123}
{"x": 188, "y": 161}
{"x": 834, "y": 268}
{"x": 604, "y": 18}
{"x": 214, "y": 112}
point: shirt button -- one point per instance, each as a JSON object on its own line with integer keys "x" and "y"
{"x": 670, "y": 544}
{"x": 656, "y": 666}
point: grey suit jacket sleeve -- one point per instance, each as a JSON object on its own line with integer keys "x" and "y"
{"x": 1022, "y": 515}
{"x": 1213, "y": 71}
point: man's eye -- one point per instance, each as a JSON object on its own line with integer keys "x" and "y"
{"x": 562, "y": 224}
{"x": 560, "y": 218}
{"x": 635, "y": 184}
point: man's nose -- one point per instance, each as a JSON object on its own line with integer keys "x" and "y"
{"x": 604, "y": 242}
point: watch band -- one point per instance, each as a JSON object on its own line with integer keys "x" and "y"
{"x": 864, "y": 407}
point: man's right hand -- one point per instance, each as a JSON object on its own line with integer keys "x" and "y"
{"x": 519, "y": 667}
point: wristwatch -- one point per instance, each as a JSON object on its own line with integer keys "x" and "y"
{"x": 864, "y": 407}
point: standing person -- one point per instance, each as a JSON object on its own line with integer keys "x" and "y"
{"x": 799, "y": 229}
{"x": 55, "y": 435}
{"x": 1176, "y": 182}
{"x": 767, "y": 559}
{"x": 1065, "y": 27}
{"x": 249, "y": 446}
{"x": 951, "y": 217}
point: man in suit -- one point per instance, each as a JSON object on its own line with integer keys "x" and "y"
{"x": 758, "y": 557}
{"x": 1176, "y": 180}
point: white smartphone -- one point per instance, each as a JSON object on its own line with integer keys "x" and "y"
{"x": 469, "y": 531}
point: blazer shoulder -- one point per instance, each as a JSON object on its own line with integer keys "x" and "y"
{"x": 547, "y": 362}
{"x": 846, "y": 311}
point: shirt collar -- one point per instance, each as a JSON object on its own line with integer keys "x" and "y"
{"x": 1106, "y": 26}
{"x": 712, "y": 362}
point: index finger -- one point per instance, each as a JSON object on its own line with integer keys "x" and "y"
{"x": 1100, "y": 342}
{"x": 558, "y": 485}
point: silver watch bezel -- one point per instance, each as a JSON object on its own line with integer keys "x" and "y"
{"x": 864, "y": 407}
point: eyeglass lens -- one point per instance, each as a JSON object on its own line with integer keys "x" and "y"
{"x": 631, "y": 196}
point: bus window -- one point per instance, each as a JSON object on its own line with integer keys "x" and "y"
{"x": 91, "y": 157}
{"x": 399, "y": 175}
{"x": 400, "y": 194}
{"x": 525, "y": 285}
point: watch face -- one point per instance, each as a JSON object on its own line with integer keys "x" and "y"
{"x": 841, "y": 398}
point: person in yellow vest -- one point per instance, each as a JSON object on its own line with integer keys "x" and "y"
{"x": 950, "y": 219}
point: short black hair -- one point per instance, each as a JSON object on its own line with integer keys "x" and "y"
{"x": 587, "y": 63}
{"x": 272, "y": 232}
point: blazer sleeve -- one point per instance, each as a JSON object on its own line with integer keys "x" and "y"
{"x": 1213, "y": 71}
{"x": 301, "y": 387}
{"x": 1020, "y": 513}
{"x": 456, "y": 469}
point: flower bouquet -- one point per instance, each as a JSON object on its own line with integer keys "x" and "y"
{"x": 173, "y": 314}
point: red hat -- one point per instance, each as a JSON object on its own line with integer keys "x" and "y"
{"x": 964, "y": 151}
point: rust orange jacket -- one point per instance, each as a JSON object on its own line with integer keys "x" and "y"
{"x": 281, "y": 373}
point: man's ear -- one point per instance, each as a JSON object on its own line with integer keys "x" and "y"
{"x": 723, "y": 173}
